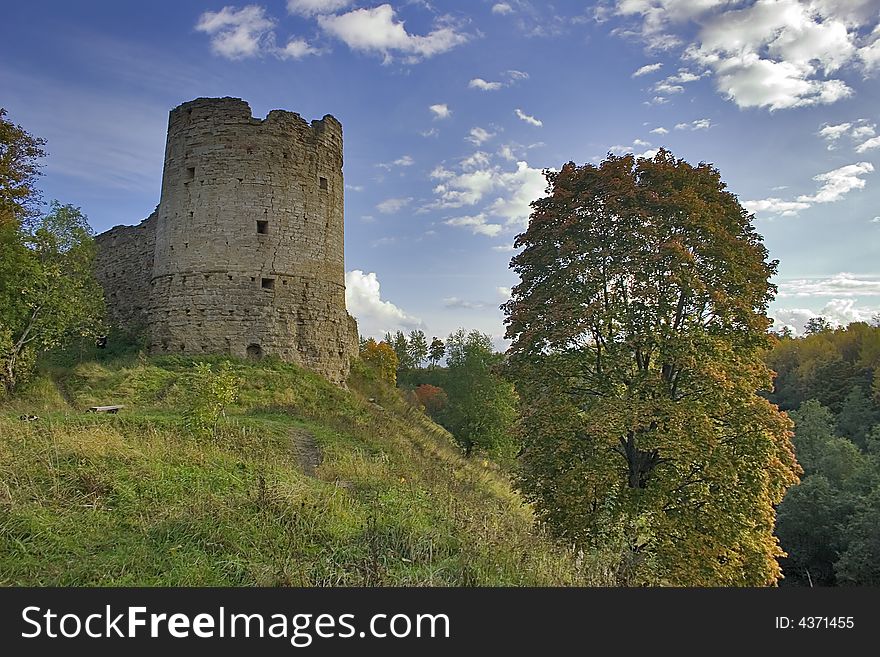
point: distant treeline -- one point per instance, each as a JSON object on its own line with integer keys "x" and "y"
{"x": 829, "y": 524}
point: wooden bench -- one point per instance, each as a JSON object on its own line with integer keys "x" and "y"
{"x": 104, "y": 409}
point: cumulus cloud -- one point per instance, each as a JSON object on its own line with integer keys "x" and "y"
{"x": 375, "y": 316}
{"x": 376, "y": 30}
{"x": 646, "y": 69}
{"x": 315, "y": 7}
{"x": 504, "y": 292}
{"x": 237, "y": 33}
{"x": 440, "y": 111}
{"x": 773, "y": 54}
{"x": 392, "y": 205}
{"x": 478, "y": 224}
{"x": 480, "y": 83}
{"x": 699, "y": 124}
{"x": 478, "y": 135}
{"x": 857, "y": 131}
{"x": 531, "y": 120}
{"x": 843, "y": 284}
{"x": 872, "y": 143}
{"x": 297, "y": 49}
{"x": 402, "y": 161}
{"x": 775, "y": 205}
{"x": 838, "y": 312}
{"x": 505, "y": 194}
{"x": 659, "y": 131}
{"x": 502, "y": 8}
{"x": 834, "y": 185}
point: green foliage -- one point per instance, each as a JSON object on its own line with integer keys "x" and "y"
{"x": 210, "y": 393}
{"x": 417, "y": 347}
{"x": 822, "y": 522}
{"x": 481, "y": 405}
{"x": 138, "y": 499}
{"x": 436, "y": 351}
{"x": 828, "y": 366}
{"x": 638, "y": 327}
{"x": 48, "y": 293}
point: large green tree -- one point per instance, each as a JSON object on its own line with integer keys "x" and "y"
{"x": 637, "y": 331}
{"x": 48, "y": 292}
{"x": 481, "y": 405}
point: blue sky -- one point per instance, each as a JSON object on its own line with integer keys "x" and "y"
{"x": 451, "y": 109}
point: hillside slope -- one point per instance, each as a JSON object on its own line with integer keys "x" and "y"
{"x": 302, "y": 484}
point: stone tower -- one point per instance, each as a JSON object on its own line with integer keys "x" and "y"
{"x": 247, "y": 240}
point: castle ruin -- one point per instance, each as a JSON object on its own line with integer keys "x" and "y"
{"x": 244, "y": 253}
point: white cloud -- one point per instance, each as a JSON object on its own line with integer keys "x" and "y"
{"x": 478, "y": 135}
{"x": 872, "y": 143}
{"x": 513, "y": 192}
{"x": 531, "y": 120}
{"x": 659, "y": 131}
{"x": 646, "y": 69}
{"x": 504, "y": 292}
{"x": 775, "y": 205}
{"x": 699, "y": 124}
{"x": 774, "y": 54}
{"x": 441, "y": 111}
{"x": 522, "y": 187}
{"x": 480, "y": 83}
{"x": 838, "y": 312}
{"x": 392, "y": 205}
{"x": 831, "y": 133}
{"x": 237, "y": 33}
{"x": 502, "y": 8}
{"x": 834, "y": 185}
{"x": 455, "y": 302}
{"x": 297, "y": 49}
{"x": 376, "y": 30}
{"x": 857, "y": 131}
{"x": 374, "y": 315}
{"x": 405, "y": 161}
{"x": 477, "y": 160}
{"x": 515, "y": 75}
{"x": 664, "y": 87}
{"x": 837, "y": 183}
{"x": 314, "y": 7}
{"x": 478, "y": 223}
{"x": 504, "y": 248}
{"x": 843, "y": 284}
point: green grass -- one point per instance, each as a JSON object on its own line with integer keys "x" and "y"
{"x": 139, "y": 499}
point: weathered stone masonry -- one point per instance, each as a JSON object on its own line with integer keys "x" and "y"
{"x": 244, "y": 254}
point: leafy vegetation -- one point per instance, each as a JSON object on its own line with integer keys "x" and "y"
{"x": 48, "y": 292}
{"x": 638, "y": 328}
{"x": 828, "y": 524}
{"x": 300, "y": 483}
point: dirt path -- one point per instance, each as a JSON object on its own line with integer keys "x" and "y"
{"x": 308, "y": 454}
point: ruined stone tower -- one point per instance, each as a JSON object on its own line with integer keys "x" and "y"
{"x": 244, "y": 254}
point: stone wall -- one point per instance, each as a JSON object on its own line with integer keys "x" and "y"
{"x": 124, "y": 268}
{"x": 248, "y": 248}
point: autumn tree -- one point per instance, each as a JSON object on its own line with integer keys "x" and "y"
{"x": 381, "y": 357}
{"x": 436, "y": 351}
{"x": 637, "y": 331}
{"x": 20, "y": 154}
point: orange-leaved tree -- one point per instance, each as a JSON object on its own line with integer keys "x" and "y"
{"x": 637, "y": 333}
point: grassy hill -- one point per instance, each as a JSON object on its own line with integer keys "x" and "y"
{"x": 302, "y": 484}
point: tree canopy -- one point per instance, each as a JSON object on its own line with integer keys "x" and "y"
{"x": 637, "y": 333}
